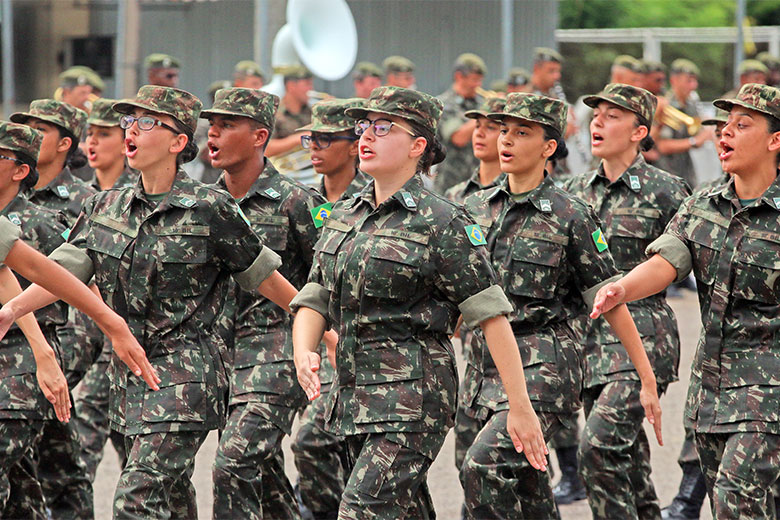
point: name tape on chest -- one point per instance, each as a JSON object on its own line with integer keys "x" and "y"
{"x": 599, "y": 240}
{"x": 476, "y": 237}
{"x": 321, "y": 213}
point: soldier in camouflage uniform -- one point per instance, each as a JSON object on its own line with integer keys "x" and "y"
{"x": 550, "y": 256}
{"x": 634, "y": 201}
{"x": 161, "y": 253}
{"x": 749, "y": 71}
{"x": 320, "y": 456}
{"x": 105, "y": 151}
{"x": 729, "y": 237}
{"x": 455, "y": 129}
{"x": 399, "y": 72}
{"x": 483, "y": 143}
{"x": 294, "y": 111}
{"x": 248, "y": 74}
{"x": 392, "y": 269}
{"x": 162, "y": 69}
{"x": 62, "y": 474}
{"x": 366, "y": 78}
{"x": 249, "y": 478}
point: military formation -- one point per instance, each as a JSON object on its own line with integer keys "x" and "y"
{"x": 234, "y": 267}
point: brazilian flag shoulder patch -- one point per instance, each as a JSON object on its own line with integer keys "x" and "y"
{"x": 474, "y": 232}
{"x": 599, "y": 240}
{"x": 321, "y": 213}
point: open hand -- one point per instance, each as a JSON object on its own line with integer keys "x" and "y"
{"x": 648, "y": 396}
{"x": 53, "y": 385}
{"x": 526, "y": 433}
{"x": 608, "y": 297}
{"x": 132, "y": 354}
{"x": 306, "y": 367}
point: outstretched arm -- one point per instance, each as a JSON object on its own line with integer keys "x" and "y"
{"x": 646, "y": 279}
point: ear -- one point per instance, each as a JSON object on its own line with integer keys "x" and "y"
{"x": 354, "y": 148}
{"x": 549, "y": 148}
{"x": 774, "y": 142}
{"x": 63, "y": 145}
{"x": 178, "y": 144}
{"x": 261, "y": 137}
{"x": 418, "y": 147}
{"x": 639, "y": 133}
{"x": 22, "y": 171}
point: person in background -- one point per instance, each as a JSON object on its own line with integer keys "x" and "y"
{"x": 294, "y": 111}
{"x": 749, "y": 71}
{"x": 399, "y": 72}
{"x": 365, "y": 78}
{"x": 772, "y": 64}
{"x": 162, "y": 70}
{"x": 546, "y": 72}
{"x": 248, "y": 74}
{"x": 518, "y": 81}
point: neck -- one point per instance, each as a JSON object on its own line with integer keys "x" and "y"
{"x": 615, "y": 166}
{"x": 526, "y": 181}
{"x": 489, "y": 172}
{"x": 107, "y": 177}
{"x": 682, "y": 99}
{"x": 292, "y": 104}
{"x": 47, "y": 172}
{"x": 386, "y": 186}
{"x": 461, "y": 91}
{"x": 241, "y": 177}
{"x": 754, "y": 185}
{"x": 8, "y": 194}
{"x": 159, "y": 178}
{"x": 337, "y": 183}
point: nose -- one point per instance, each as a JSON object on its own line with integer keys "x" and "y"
{"x": 213, "y": 132}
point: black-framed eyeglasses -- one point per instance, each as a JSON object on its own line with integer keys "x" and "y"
{"x": 6, "y": 158}
{"x": 145, "y": 123}
{"x": 323, "y": 140}
{"x": 381, "y": 126}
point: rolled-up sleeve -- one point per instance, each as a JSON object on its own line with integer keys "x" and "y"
{"x": 264, "y": 265}
{"x": 314, "y": 296}
{"x": 75, "y": 260}
{"x": 9, "y": 234}
{"x": 674, "y": 251}
{"x": 486, "y": 304}
{"x": 589, "y": 295}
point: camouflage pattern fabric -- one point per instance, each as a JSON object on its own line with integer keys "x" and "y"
{"x": 286, "y": 123}
{"x": 59, "y": 113}
{"x": 329, "y": 116}
{"x": 467, "y": 426}
{"x": 257, "y": 105}
{"x": 567, "y": 437}
{"x": 128, "y": 177}
{"x": 688, "y": 454}
{"x": 763, "y": 98}
{"x": 357, "y": 184}
{"x": 155, "y": 483}
{"x": 680, "y": 164}
{"x": 103, "y": 113}
{"x": 460, "y": 160}
{"x": 713, "y": 184}
{"x": 536, "y": 108}
{"x": 634, "y": 210}
{"x": 461, "y": 191}
{"x": 388, "y": 476}
{"x": 498, "y": 482}
{"x": 249, "y": 478}
{"x": 20, "y": 492}
{"x": 397, "y": 64}
{"x": 637, "y": 100}
{"x": 20, "y": 138}
{"x": 614, "y": 454}
{"x": 64, "y": 193}
{"x": 739, "y": 470}
{"x": 409, "y": 104}
{"x": 174, "y": 102}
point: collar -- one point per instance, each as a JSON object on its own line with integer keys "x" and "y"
{"x": 540, "y": 197}
{"x": 180, "y": 196}
{"x": 60, "y": 185}
{"x": 126, "y": 178}
{"x": 632, "y": 177}
{"x": 266, "y": 185}
{"x": 408, "y": 196}
{"x": 770, "y": 197}
{"x": 15, "y": 209}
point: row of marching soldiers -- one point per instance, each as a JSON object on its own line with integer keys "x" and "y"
{"x": 199, "y": 280}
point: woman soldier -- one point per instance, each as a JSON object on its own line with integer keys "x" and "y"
{"x": 161, "y": 253}
{"x": 634, "y": 201}
{"x": 391, "y": 270}
{"x": 729, "y": 236}
{"x": 485, "y": 148}
{"x": 105, "y": 148}
{"x": 550, "y": 256}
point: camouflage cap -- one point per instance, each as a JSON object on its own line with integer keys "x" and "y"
{"x": 174, "y": 102}
{"x": 649, "y": 66}
{"x": 628, "y": 62}
{"x": 393, "y": 64}
{"x": 635, "y": 99}
{"x": 93, "y": 78}
{"x": 491, "y": 105}
{"x": 59, "y": 113}
{"x": 329, "y": 116}
{"x": 20, "y": 138}
{"x": 217, "y": 85}
{"x": 536, "y": 108}
{"x": 258, "y": 105}
{"x": 763, "y": 98}
{"x": 365, "y": 69}
{"x": 683, "y": 66}
{"x": 103, "y": 113}
{"x": 407, "y": 103}
{"x": 248, "y": 68}
{"x": 470, "y": 63}
{"x": 293, "y": 72}
{"x": 721, "y": 116}
{"x": 161, "y": 61}
{"x": 751, "y": 66}
{"x": 771, "y": 61}
{"x": 547, "y": 54}
{"x": 518, "y": 76}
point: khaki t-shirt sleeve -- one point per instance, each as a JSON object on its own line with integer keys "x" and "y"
{"x": 9, "y": 234}
{"x": 674, "y": 251}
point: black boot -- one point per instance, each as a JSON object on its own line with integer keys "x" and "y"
{"x": 687, "y": 504}
{"x": 569, "y": 488}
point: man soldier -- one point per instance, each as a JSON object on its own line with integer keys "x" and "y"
{"x": 750, "y": 71}
{"x": 546, "y": 72}
{"x": 399, "y": 72}
{"x": 772, "y": 64}
{"x": 162, "y": 69}
{"x": 518, "y": 81}
{"x": 78, "y": 86}
{"x": 294, "y": 111}
{"x": 366, "y": 78}
{"x": 455, "y": 128}
{"x": 248, "y": 74}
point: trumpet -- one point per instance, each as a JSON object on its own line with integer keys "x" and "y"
{"x": 675, "y": 119}
{"x": 318, "y": 96}
{"x": 485, "y": 93}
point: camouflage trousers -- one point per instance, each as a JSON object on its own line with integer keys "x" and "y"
{"x": 20, "y": 492}
{"x": 739, "y": 470}
{"x": 688, "y": 453}
{"x": 321, "y": 459}
{"x": 90, "y": 415}
{"x": 568, "y": 436}
{"x": 388, "y": 475}
{"x": 249, "y": 477}
{"x": 614, "y": 454}
{"x": 498, "y": 482}
{"x": 467, "y": 427}
{"x": 155, "y": 482}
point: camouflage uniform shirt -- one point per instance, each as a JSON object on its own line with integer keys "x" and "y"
{"x": 64, "y": 193}
{"x": 461, "y": 191}
{"x": 164, "y": 267}
{"x": 735, "y": 254}
{"x": 128, "y": 177}
{"x": 286, "y": 122}
{"x": 357, "y": 184}
{"x": 543, "y": 251}
{"x": 679, "y": 163}
{"x": 279, "y": 211}
{"x": 634, "y": 211}
{"x": 393, "y": 278}
{"x": 460, "y": 162}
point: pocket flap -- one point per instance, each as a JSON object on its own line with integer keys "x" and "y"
{"x": 388, "y": 362}
{"x": 533, "y": 248}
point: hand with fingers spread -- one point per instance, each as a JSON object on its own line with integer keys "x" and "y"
{"x": 306, "y": 366}
{"x": 607, "y": 298}
{"x": 648, "y": 396}
{"x": 53, "y": 384}
{"x": 526, "y": 433}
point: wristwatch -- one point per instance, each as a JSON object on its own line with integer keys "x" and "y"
{"x": 692, "y": 142}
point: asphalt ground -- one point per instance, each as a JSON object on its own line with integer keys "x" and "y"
{"x": 443, "y": 477}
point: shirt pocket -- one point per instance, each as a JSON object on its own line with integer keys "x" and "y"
{"x": 757, "y": 270}
{"x": 182, "y": 393}
{"x": 633, "y": 229}
{"x": 534, "y": 268}
{"x": 393, "y": 269}
{"x": 706, "y": 232}
{"x": 272, "y": 230}
{"x": 183, "y": 269}
{"x": 750, "y": 386}
{"x": 388, "y": 382}
{"x": 326, "y": 249}
{"x": 541, "y": 367}
{"x": 106, "y": 249}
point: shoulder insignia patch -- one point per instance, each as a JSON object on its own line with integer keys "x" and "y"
{"x": 63, "y": 191}
{"x": 65, "y": 235}
{"x": 14, "y": 218}
{"x": 241, "y": 212}
{"x": 186, "y": 202}
{"x": 474, "y": 232}
{"x": 633, "y": 180}
{"x": 776, "y": 200}
{"x": 599, "y": 240}
{"x": 321, "y": 213}
{"x": 408, "y": 200}
{"x": 272, "y": 193}
{"x": 545, "y": 205}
